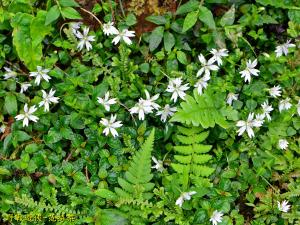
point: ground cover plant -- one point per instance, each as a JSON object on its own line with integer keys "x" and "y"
{"x": 150, "y": 112}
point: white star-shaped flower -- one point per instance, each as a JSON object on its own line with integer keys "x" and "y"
{"x": 40, "y": 74}
{"x": 106, "y": 102}
{"x": 184, "y": 196}
{"x": 111, "y": 125}
{"x": 275, "y": 91}
{"x": 231, "y": 97}
{"x": 75, "y": 26}
{"x": 28, "y": 115}
{"x": 285, "y": 104}
{"x": 250, "y": 70}
{"x": 284, "y": 48}
{"x": 284, "y": 206}
{"x": 177, "y": 89}
{"x": 142, "y": 107}
{"x": 207, "y": 66}
{"x": 48, "y": 99}
{"x": 159, "y": 166}
{"x": 218, "y": 54}
{"x": 9, "y": 73}
{"x": 202, "y": 83}
{"x": 167, "y": 111}
{"x": 259, "y": 120}
{"x": 109, "y": 29}
{"x": 124, "y": 35}
{"x": 85, "y": 39}
{"x": 216, "y": 217}
{"x": 24, "y": 87}
{"x": 283, "y": 144}
{"x": 267, "y": 109}
{"x": 152, "y": 100}
{"x": 248, "y": 125}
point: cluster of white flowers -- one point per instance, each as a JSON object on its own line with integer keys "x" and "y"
{"x": 274, "y": 92}
{"x": 124, "y": 35}
{"x": 40, "y": 74}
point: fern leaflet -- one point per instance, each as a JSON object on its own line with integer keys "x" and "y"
{"x": 200, "y": 110}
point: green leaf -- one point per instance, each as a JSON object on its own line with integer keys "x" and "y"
{"x": 28, "y": 35}
{"x": 190, "y": 20}
{"x": 181, "y": 56}
{"x": 169, "y": 41}
{"x": 159, "y": 20}
{"x": 53, "y": 136}
{"x": 206, "y": 17}
{"x": 67, "y": 3}
{"x": 130, "y": 19}
{"x": 10, "y": 104}
{"x": 70, "y": 13}
{"x": 188, "y": 7}
{"x": 228, "y": 18}
{"x": 52, "y": 15}
{"x": 21, "y": 136}
{"x": 156, "y": 38}
{"x": 107, "y": 194}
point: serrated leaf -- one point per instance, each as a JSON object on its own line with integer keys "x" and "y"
{"x": 228, "y": 18}
{"x": 169, "y": 41}
{"x": 159, "y": 20}
{"x": 156, "y": 38}
{"x": 52, "y": 15}
{"x": 206, "y": 17}
{"x": 10, "y": 104}
{"x": 70, "y": 13}
{"x": 190, "y": 20}
{"x": 188, "y": 7}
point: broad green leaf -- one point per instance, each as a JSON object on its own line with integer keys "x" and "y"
{"x": 169, "y": 41}
{"x": 52, "y": 14}
{"x": 130, "y": 19}
{"x": 206, "y": 17}
{"x": 181, "y": 56}
{"x": 156, "y": 38}
{"x": 188, "y": 7}
{"x": 228, "y": 18}
{"x": 70, "y": 13}
{"x": 190, "y": 20}
{"x": 10, "y": 104}
{"x": 28, "y": 34}
{"x": 21, "y": 136}
{"x": 159, "y": 20}
{"x": 67, "y": 3}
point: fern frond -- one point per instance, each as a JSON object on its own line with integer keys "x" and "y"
{"x": 136, "y": 183}
{"x": 192, "y": 156}
{"x": 200, "y": 110}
